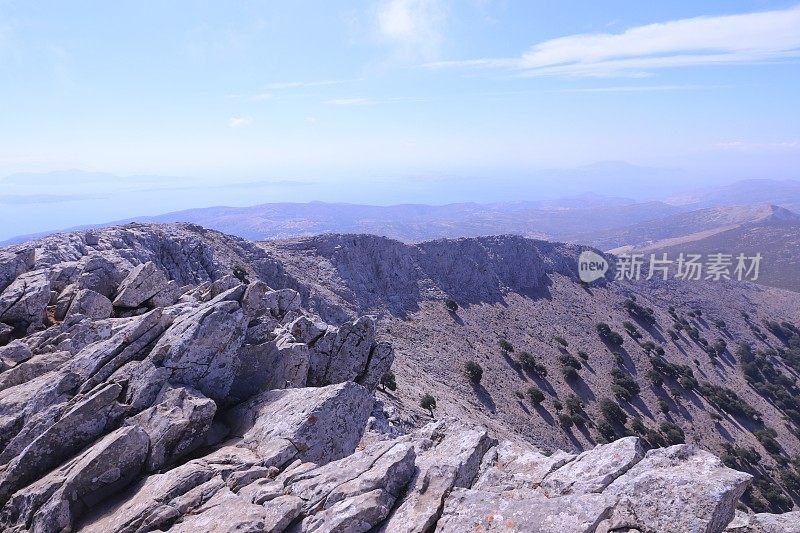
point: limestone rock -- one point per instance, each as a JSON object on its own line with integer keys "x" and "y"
{"x": 23, "y": 302}
{"x": 595, "y": 469}
{"x": 200, "y": 348}
{"x": 765, "y": 523}
{"x": 90, "y": 304}
{"x": 141, "y": 284}
{"x": 14, "y": 264}
{"x": 680, "y": 488}
{"x": 319, "y": 424}
{"x": 176, "y": 425}
{"x": 15, "y": 352}
{"x": 54, "y": 502}
{"x": 473, "y": 510}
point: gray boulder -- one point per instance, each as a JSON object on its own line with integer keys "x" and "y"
{"x": 765, "y": 523}
{"x": 595, "y": 469}
{"x": 55, "y": 501}
{"x": 14, "y": 264}
{"x": 15, "y": 352}
{"x": 23, "y": 302}
{"x": 474, "y": 510}
{"x": 680, "y": 488}
{"x": 312, "y": 424}
{"x": 176, "y": 425}
{"x": 141, "y": 284}
{"x": 91, "y": 304}
{"x": 448, "y": 456}
{"x": 200, "y": 348}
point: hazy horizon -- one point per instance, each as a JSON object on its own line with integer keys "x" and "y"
{"x": 165, "y": 107}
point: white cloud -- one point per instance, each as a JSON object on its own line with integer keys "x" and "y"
{"x": 747, "y": 146}
{"x": 349, "y": 101}
{"x": 239, "y": 122}
{"x": 744, "y": 38}
{"x": 415, "y": 27}
{"x": 641, "y": 88}
{"x": 301, "y": 84}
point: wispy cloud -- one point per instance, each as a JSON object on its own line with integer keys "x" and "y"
{"x": 349, "y": 101}
{"x": 729, "y": 39}
{"x": 414, "y": 27}
{"x": 239, "y": 122}
{"x": 744, "y": 145}
{"x": 641, "y": 88}
{"x": 303, "y": 84}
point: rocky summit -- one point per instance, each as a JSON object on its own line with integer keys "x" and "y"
{"x": 169, "y": 378}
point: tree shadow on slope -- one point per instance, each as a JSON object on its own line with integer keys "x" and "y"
{"x": 484, "y": 397}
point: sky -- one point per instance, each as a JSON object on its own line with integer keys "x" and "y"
{"x": 382, "y": 101}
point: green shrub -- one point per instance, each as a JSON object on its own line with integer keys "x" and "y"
{"x": 645, "y": 315}
{"x": 612, "y": 411}
{"x": 565, "y": 420}
{"x": 632, "y": 331}
{"x": 536, "y": 395}
{"x": 663, "y": 406}
{"x": 451, "y": 305}
{"x": 474, "y": 371}
{"x": 767, "y": 439}
{"x": 569, "y": 373}
{"x": 428, "y": 402}
{"x": 573, "y": 404}
{"x": 529, "y": 364}
{"x": 557, "y": 405}
{"x": 388, "y": 381}
{"x": 672, "y": 433}
{"x": 608, "y": 335}
{"x": 655, "y": 378}
{"x": 583, "y": 355}
{"x": 561, "y": 340}
{"x": 606, "y": 430}
{"x": 568, "y": 360}
{"x": 506, "y": 346}
{"x": 623, "y": 385}
{"x": 638, "y": 427}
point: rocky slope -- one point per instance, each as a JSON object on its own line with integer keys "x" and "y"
{"x": 529, "y": 323}
{"x": 170, "y": 378}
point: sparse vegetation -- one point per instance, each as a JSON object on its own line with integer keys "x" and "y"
{"x": 644, "y": 315}
{"x": 672, "y": 433}
{"x": 428, "y": 402}
{"x": 612, "y": 411}
{"x": 474, "y": 371}
{"x": 240, "y": 273}
{"x": 536, "y": 396}
{"x": 529, "y": 364}
{"x": 506, "y": 346}
{"x": 565, "y": 421}
{"x": 623, "y": 386}
{"x": 388, "y": 381}
{"x": 608, "y": 335}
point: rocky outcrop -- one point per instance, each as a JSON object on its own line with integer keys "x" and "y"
{"x": 174, "y": 383}
{"x": 765, "y": 523}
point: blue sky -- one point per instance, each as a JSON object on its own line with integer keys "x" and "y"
{"x": 362, "y": 93}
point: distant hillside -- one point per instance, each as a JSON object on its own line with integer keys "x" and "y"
{"x": 772, "y": 231}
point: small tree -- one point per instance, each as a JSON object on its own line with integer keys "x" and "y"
{"x": 565, "y": 421}
{"x": 506, "y": 346}
{"x": 451, "y": 305}
{"x": 428, "y": 402}
{"x": 474, "y": 371}
{"x": 388, "y": 381}
{"x": 536, "y": 395}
